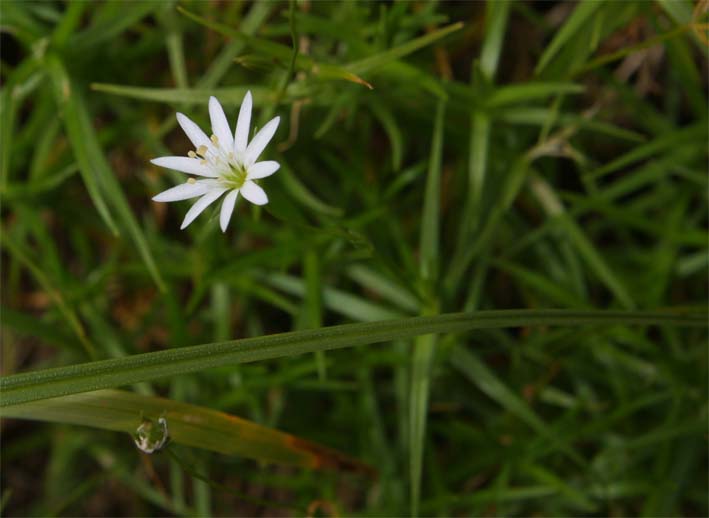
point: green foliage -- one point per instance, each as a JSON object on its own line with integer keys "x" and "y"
{"x": 508, "y": 197}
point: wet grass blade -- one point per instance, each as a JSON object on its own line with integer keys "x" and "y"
{"x": 188, "y": 425}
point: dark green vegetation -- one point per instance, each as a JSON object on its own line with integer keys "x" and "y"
{"x": 538, "y": 155}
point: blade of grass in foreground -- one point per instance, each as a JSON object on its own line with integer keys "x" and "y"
{"x": 61, "y": 381}
{"x": 189, "y": 425}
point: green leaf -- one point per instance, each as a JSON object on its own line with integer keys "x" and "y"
{"x": 47, "y": 383}
{"x": 385, "y": 288}
{"x": 384, "y": 58}
{"x": 496, "y": 15}
{"x": 98, "y": 176}
{"x": 486, "y": 380}
{"x": 554, "y": 208}
{"x": 432, "y": 200}
{"x": 422, "y": 364}
{"x": 578, "y": 19}
{"x": 78, "y": 129}
{"x": 112, "y": 18}
{"x": 232, "y": 95}
{"x": 335, "y": 300}
{"x": 23, "y": 256}
{"x": 527, "y": 92}
{"x": 279, "y": 52}
{"x": 188, "y": 425}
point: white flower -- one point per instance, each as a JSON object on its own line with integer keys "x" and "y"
{"x": 227, "y": 162}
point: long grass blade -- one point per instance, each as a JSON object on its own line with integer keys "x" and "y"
{"x": 425, "y": 345}
{"x": 73, "y": 379}
{"x": 99, "y": 178}
{"x": 189, "y": 425}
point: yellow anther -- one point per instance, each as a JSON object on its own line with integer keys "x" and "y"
{"x": 214, "y": 139}
{"x": 192, "y": 154}
{"x": 191, "y": 181}
{"x": 202, "y": 151}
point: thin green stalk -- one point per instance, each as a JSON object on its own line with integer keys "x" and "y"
{"x": 47, "y": 383}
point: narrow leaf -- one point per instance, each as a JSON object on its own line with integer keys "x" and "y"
{"x": 386, "y": 57}
{"x": 96, "y": 171}
{"x": 578, "y": 19}
{"x": 47, "y": 383}
{"x": 189, "y": 425}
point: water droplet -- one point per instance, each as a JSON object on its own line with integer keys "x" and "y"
{"x": 151, "y": 436}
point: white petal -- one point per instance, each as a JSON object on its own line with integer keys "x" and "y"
{"x": 184, "y": 191}
{"x": 254, "y": 193}
{"x": 261, "y": 140}
{"x": 241, "y": 137}
{"x": 220, "y": 126}
{"x": 193, "y": 132}
{"x": 200, "y": 205}
{"x": 263, "y": 169}
{"x": 184, "y": 165}
{"x": 227, "y": 209}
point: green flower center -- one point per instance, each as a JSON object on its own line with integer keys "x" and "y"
{"x": 234, "y": 177}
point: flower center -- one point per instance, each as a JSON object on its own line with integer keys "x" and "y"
{"x": 234, "y": 175}
{"x": 231, "y": 172}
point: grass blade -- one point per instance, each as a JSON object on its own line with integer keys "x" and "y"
{"x": 234, "y": 95}
{"x": 425, "y": 345}
{"x": 554, "y": 208}
{"x": 388, "y": 56}
{"x": 490, "y": 384}
{"x": 580, "y": 17}
{"x": 16, "y": 251}
{"x": 189, "y": 425}
{"x": 47, "y": 383}
{"x": 97, "y": 173}
{"x": 526, "y": 92}
{"x": 78, "y": 128}
{"x": 497, "y": 13}
{"x": 432, "y": 200}
{"x": 280, "y": 53}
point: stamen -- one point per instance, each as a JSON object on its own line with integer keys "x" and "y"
{"x": 214, "y": 139}
{"x": 192, "y": 181}
{"x": 202, "y": 151}
{"x": 192, "y": 154}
